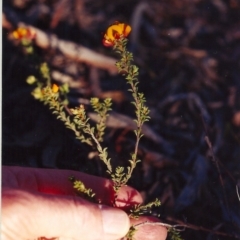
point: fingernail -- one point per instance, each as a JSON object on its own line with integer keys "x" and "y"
{"x": 115, "y": 222}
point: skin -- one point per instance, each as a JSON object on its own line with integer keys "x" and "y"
{"x": 42, "y": 203}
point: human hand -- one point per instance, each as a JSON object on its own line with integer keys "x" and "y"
{"x": 42, "y": 203}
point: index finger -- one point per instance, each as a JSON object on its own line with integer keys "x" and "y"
{"x": 55, "y": 181}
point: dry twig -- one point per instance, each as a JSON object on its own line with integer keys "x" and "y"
{"x": 69, "y": 49}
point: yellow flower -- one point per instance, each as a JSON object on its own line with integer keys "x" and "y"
{"x": 24, "y": 33}
{"x": 114, "y": 32}
{"x": 55, "y": 88}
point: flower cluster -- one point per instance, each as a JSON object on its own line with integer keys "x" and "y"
{"x": 114, "y": 32}
{"x": 24, "y": 33}
{"x": 25, "y": 37}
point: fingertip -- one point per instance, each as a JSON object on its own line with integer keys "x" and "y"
{"x": 127, "y": 197}
{"x": 149, "y": 231}
{"x": 115, "y": 222}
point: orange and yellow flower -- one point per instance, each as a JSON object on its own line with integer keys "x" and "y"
{"x": 24, "y": 33}
{"x": 114, "y": 32}
{"x": 55, "y": 88}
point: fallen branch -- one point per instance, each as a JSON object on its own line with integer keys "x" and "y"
{"x": 69, "y": 49}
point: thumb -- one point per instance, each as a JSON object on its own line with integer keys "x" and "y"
{"x": 27, "y": 215}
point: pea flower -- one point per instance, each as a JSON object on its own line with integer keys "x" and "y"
{"x": 114, "y": 32}
{"x": 24, "y": 33}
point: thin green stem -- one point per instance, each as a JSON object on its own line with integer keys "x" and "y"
{"x": 102, "y": 152}
{"x": 131, "y": 72}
